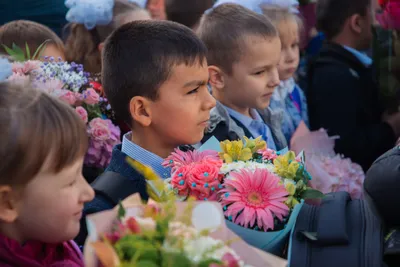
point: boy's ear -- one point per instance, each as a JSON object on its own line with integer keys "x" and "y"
{"x": 216, "y": 81}
{"x": 8, "y": 208}
{"x": 355, "y": 22}
{"x": 140, "y": 110}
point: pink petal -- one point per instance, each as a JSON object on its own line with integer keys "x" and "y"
{"x": 265, "y": 219}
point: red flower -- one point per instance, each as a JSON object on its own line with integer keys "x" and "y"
{"x": 133, "y": 225}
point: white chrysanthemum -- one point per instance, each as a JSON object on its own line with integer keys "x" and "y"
{"x": 234, "y": 166}
{"x": 207, "y": 247}
{"x": 250, "y": 165}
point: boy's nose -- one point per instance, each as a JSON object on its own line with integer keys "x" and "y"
{"x": 209, "y": 101}
{"x": 274, "y": 79}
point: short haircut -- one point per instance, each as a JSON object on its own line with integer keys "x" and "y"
{"x": 332, "y": 14}
{"x": 36, "y": 127}
{"x": 22, "y": 32}
{"x": 187, "y": 12}
{"x": 224, "y": 30}
{"x": 140, "y": 56}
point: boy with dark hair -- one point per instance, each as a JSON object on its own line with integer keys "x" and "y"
{"x": 155, "y": 78}
{"x": 243, "y": 54}
{"x": 342, "y": 93}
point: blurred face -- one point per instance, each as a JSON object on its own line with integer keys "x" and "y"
{"x": 290, "y": 54}
{"x": 181, "y": 112}
{"x": 157, "y": 9}
{"x": 364, "y": 28}
{"x": 52, "y": 50}
{"x": 50, "y": 207}
{"x": 254, "y": 77}
{"x": 139, "y": 14}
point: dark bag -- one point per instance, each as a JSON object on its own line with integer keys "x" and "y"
{"x": 113, "y": 186}
{"x": 338, "y": 233}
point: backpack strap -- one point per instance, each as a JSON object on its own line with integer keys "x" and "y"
{"x": 113, "y": 186}
{"x": 332, "y": 228}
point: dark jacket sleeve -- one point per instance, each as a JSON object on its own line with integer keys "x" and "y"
{"x": 335, "y": 103}
{"x": 98, "y": 204}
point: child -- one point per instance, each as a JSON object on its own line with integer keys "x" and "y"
{"x": 288, "y": 97}
{"x": 42, "y": 190}
{"x": 24, "y": 32}
{"x": 243, "y": 54}
{"x": 85, "y": 41}
{"x": 155, "y": 77}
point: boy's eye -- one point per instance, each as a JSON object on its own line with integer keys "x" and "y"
{"x": 259, "y": 72}
{"x": 194, "y": 91}
{"x": 72, "y": 183}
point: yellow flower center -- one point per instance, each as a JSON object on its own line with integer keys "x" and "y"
{"x": 255, "y": 198}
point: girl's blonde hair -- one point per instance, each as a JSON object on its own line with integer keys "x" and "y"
{"x": 278, "y": 14}
{"x": 82, "y": 45}
{"x": 36, "y": 128}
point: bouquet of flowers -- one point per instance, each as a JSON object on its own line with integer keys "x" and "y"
{"x": 258, "y": 188}
{"x": 330, "y": 172}
{"x": 168, "y": 234}
{"x": 72, "y": 85}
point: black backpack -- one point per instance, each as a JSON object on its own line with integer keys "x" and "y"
{"x": 338, "y": 233}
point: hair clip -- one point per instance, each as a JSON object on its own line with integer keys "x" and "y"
{"x": 291, "y": 5}
{"x": 5, "y": 69}
{"x": 140, "y": 3}
{"x": 90, "y": 12}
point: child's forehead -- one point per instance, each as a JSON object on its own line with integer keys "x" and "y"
{"x": 288, "y": 30}
{"x": 183, "y": 73}
{"x": 255, "y": 48}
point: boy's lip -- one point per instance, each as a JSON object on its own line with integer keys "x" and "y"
{"x": 267, "y": 94}
{"x": 78, "y": 215}
{"x": 205, "y": 122}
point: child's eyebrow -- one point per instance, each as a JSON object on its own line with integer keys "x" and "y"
{"x": 196, "y": 83}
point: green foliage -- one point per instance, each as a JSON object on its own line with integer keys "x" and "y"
{"x": 20, "y": 55}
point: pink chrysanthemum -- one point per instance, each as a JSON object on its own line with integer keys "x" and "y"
{"x": 180, "y": 158}
{"x": 254, "y": 198}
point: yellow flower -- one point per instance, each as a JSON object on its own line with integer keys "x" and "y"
{"x": 255, "y": 144}
{"x": 286, "y": 166}
{"x": 234, "y": 151}
{"x": 154, "y": 184}
{"x": 291, "y": 201}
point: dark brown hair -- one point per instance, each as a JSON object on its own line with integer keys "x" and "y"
{"x": 332, "y": 14}
{"x": 36, "y": 127}
{"x": 187, "y": 12}
{"x": 22, "y": 32}
{"x": 224, "y": 30}
{"x": 139, "y": 57}
{"x": 82, "y": 45}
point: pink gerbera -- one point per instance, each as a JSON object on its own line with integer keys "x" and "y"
{"x": 180, "y": 158}
{"x": 254, "y": 198}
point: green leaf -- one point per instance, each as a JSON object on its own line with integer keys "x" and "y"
{"x": 312, "y": 194}
{"x": 40, "y": 49}
{"x": 17, "y": 49}
{"x": 28, "y": 51}
{"x": 121, "y": 211}
{"x": 14, "y": 54}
